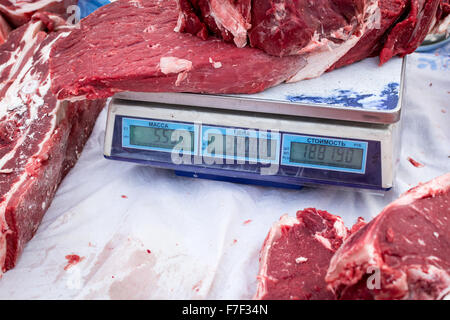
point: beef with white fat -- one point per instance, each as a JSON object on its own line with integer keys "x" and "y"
{"x": 402, "y": 28}
{"x": 5, "y": 29}
{"x": 40, "y": 137}
{"x": 230, "y": 19}
{"x": 403, "y": 253}
{"x": 296, "y": 254}
{"x": 155, "y": 56}
{"x": 142, "y": 52}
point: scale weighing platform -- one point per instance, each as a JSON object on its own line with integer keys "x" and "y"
{"x": 341, "y": 129}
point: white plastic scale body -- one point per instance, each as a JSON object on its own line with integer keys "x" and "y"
{"x": 341, "y": 129}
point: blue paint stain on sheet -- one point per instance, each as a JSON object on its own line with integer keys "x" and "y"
{"x": 387, "y": 99}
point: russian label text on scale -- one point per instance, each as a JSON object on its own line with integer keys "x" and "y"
{"x": 242, "y": 145}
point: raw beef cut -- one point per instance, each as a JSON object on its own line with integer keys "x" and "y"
{"x": 403, "y": 253}
{"x": 229, "y": 19}
{"x": 442, "y": 23}
{"x": 19, "y": 12}
{"x": 5, "y": 29}
{"x": 40, "y": 137}
{"x": 404, "y": 25}
{"x": 141, "y": 52}
{"x": 331, "y": 33}
{"x": 155, "y": 57}
{"x": 321, "y": 32}
{"x": 296, "y": 254}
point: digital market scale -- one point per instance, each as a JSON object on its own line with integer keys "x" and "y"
{"x": 341, "y": 129}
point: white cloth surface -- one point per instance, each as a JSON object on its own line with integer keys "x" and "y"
{"x": 144, "y": 233}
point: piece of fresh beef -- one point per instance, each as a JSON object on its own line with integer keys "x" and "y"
{"x": 142, "y": 52}
{"x": 321, "y": 32}
{"x": 5, "y": 29}
{"x": 40, "y": 137}
{"x": 333, "y": 33}
{"x": 153, "y": 57}
{"x": 229, "y": 19}
{"x": 403, "y": 253}
{"x": 442, "y": 23}
{"x": 279, "y": 27}
{"x": 19, "y": 12}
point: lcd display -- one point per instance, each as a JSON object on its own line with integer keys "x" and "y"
{"x": 324, "y": 155}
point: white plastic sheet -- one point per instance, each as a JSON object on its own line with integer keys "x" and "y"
{"x": 144, "y": 233}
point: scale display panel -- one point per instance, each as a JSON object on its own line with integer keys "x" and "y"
{"x": 240, "y": 144}
{"x": 159, "y": 135}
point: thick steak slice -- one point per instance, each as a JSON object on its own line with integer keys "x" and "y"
{"x": 296, "y": 254}
{"x": 40, "y": 137}
{"x": 141, "y": 52}
{"x": 403, "y": 253}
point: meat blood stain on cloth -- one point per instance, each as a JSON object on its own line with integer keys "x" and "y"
{"x": 415, "y": 163}
{"x": 72, "y": 259}
{"x": 197, "y": 286}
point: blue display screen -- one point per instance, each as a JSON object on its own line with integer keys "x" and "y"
{"x": 326, "y": 155}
